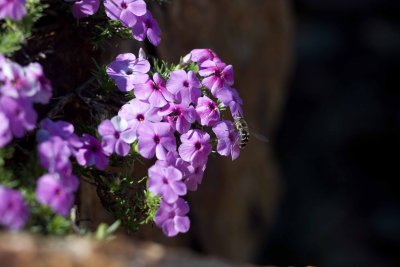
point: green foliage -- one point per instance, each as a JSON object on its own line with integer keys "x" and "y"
{"x": 6, "y": 176}
{"x": 105, "y": 232}
{"x": 15, "y": 33}
{"x": 110, "y": 29}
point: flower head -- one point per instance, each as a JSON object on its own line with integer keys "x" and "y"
{"x": 172, "y": 217}
{"x": 208, "y": 111}
{"x": 166, "y": 182}
{"x": 154, "y": 91}
{"x": 180, "y": 116}
{"x": 228, "y": 139}
{"x": 156, "y": 139}
{"x": 13, "y": 209}
{"x": 126, "y": 11}
{"x": 91, "y": 153}
{"x": 127, "y": 71}
{"x": 195, "y": 147}
{"x": 185, "y": 86}
{"x": 39, "y": 83}
{"x": 54, "y": 155}
{"x": 216, "y": 75}
{"x": 147, "y": 26}
{"x": 116, "y": 136}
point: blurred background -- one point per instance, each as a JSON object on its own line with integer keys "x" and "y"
{"x": 319, "y": 79}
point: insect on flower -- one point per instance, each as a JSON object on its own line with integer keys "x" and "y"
{"x": 244, "y": 133}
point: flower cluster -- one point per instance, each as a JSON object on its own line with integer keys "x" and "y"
{"x": 176, "y": 121}
{"x": 13, "y": 209}
{"x": 13, "y": 9}
{"x": 20, "y": 87}
{"x": 131, "y": 13}
{"x": 57, "y": 143}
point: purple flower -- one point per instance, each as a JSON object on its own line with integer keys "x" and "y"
{"x": 136, "y": 112}
{"x": 91, "y": 153}
{"x": 180, "y": 116}
{"x": 185, "y": 86}
{"x": 15, "y": 83}
{"x": 13, "y": 210}
{"x": 57, "y": 192}
{"x": 230, "y": 97}
{"x": 125, "y": 11}
{"x": 84, "y": 8}
{"x": 228, "y": 139}
{"x": 62, "y": 129}
{"x": 208, "y": 111}
{"x": 117, "y": 136}
{"x": 156, "y": 139}
{"x": 147, "y": 26}
{"x": 20, "y": 113}
{"x": 154, "y": 91}
{"x": 5, "y": 133}
{"x": 166, "y": 182}
{"x": 13, "y": 9}
{"x": 40, "y": 85}
{"x": 54, "y": 155}
{"x": 200, "y": 55}
{"x": 174, "y": 160}
{"x": 194, "y": 177}
{"x": 217, "y": 75}
{"x": 195, "y": 147}
{"x": 127, "y": 71}
{"x": 172, "y": 217}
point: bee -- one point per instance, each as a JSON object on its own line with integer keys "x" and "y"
{"x": 243, "y": 131}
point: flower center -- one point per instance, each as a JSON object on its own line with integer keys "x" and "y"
{"x": 129, "y": 72}
{"x": 197, "y": 145}
{"x": 211, "y": 105}
{"x": 171, "y": 214}
{"x": 93, "y": 149}
{"x": 140, "y": 117}
{"x": 155, "y": 87}
{"x": 165, "y": 180}
{"x": 156, "y": 139}
{"x": 116, "y": 135}
{"x": 57, "y": 192}
{"x": 124, "y": 5}
{"x": 218, "y": 73}
{"x": 186, "y": 84}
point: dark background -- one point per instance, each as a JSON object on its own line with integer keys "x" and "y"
{"x": 339, "y": 139}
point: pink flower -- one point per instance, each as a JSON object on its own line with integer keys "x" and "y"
{"x": 180, "y": 116}
{"x": 154, "y": 91}
{"x": 216, "y": 75}
{"x": 228, "y": 139}
{"x": 208, "y": 111}
{"x": 185, "y": 86}
{"x": 147, "y": 26}
{"x": 13, "y": 209}
{"x": 195, "y": 147}
{"x": 91, "y": 153}
{"x": 172, "y": 217}
{"x": 125, "y": 11}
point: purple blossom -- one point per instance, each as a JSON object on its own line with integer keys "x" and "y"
{"x": 62, "y": 129}
{"x": 172, "y": 217}
{"x": 84, "y": 8}
{"x": 194, "y": 176}
{"x": 13, "y": 9}
{"x": 13, "y": 209}
{"x": 208, "y": 111}
{"x": 57, "y": 192}
{"x": 180, "y": 116}
{"x": 175, "y": 161}
{"x": 5, "y": 133}
{"x": 185, "y": 86}
{"x": 125, "y": 11}
{"x": 156, "y": 139}
{"x": 40, "y": 85}
{"x": 217, "y": 75}
{"x": 230, "y": 97}
{"x": 195, "y": 147}
{"x": 20, "y": 114}
{"x": 200, "y": 55}
{"x": 54, "y": 155}
{"x": 91, "y": 153}
{"x": 154, "y": 91}
{"x": 117, "y": 136}
{"x": 15, "y": 83}
{"x": 136, "y": 112}
{"x": 228, "y": 139}
{"x": 166, "y": 182}
{"x": 147, "y": 26}
{"x": 127, "y": 71}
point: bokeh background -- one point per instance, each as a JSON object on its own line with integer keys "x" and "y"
{"x": 319, "y": 79}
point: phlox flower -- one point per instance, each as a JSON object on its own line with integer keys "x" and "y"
{"x": 13, "y": 209}
{"x": 127, "y": 71}
{"x": 84, "y": 8}
{"x": 194, "y": 176}
{"x": 156, "y": 139}
{"x": 13, "y": 9}
{"x": 125, "y": 11}
{"x": 5, "y": 133}
{"x": 154, "y": 91}
{"x": 200, "y": 55}
{"x": 208, "y": 111}
{"x": 40, "y": 85}
{"x": 230, "y": 98}
{"x": 195, "y": 147}
{"x": 62, "y": 129}
{"x": 15, "y": 83}
{"x": 185, "y": 86}
{"x": 57, "y": 192}
{"x": 228, "y": 139}
{"x": 147, "y": 26}
{"x": 166, "y": 182}
{"x": 54, "y": 155}
{"x": 180, "y": 116}
{"x": 116, "y": 136}
{"x": 20, "y": 114}
{"x": 172, "y": 217}
{"x": 136, "y": 112}
{"x": 91, "y": 153}
{"x": 216, "y": 75}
